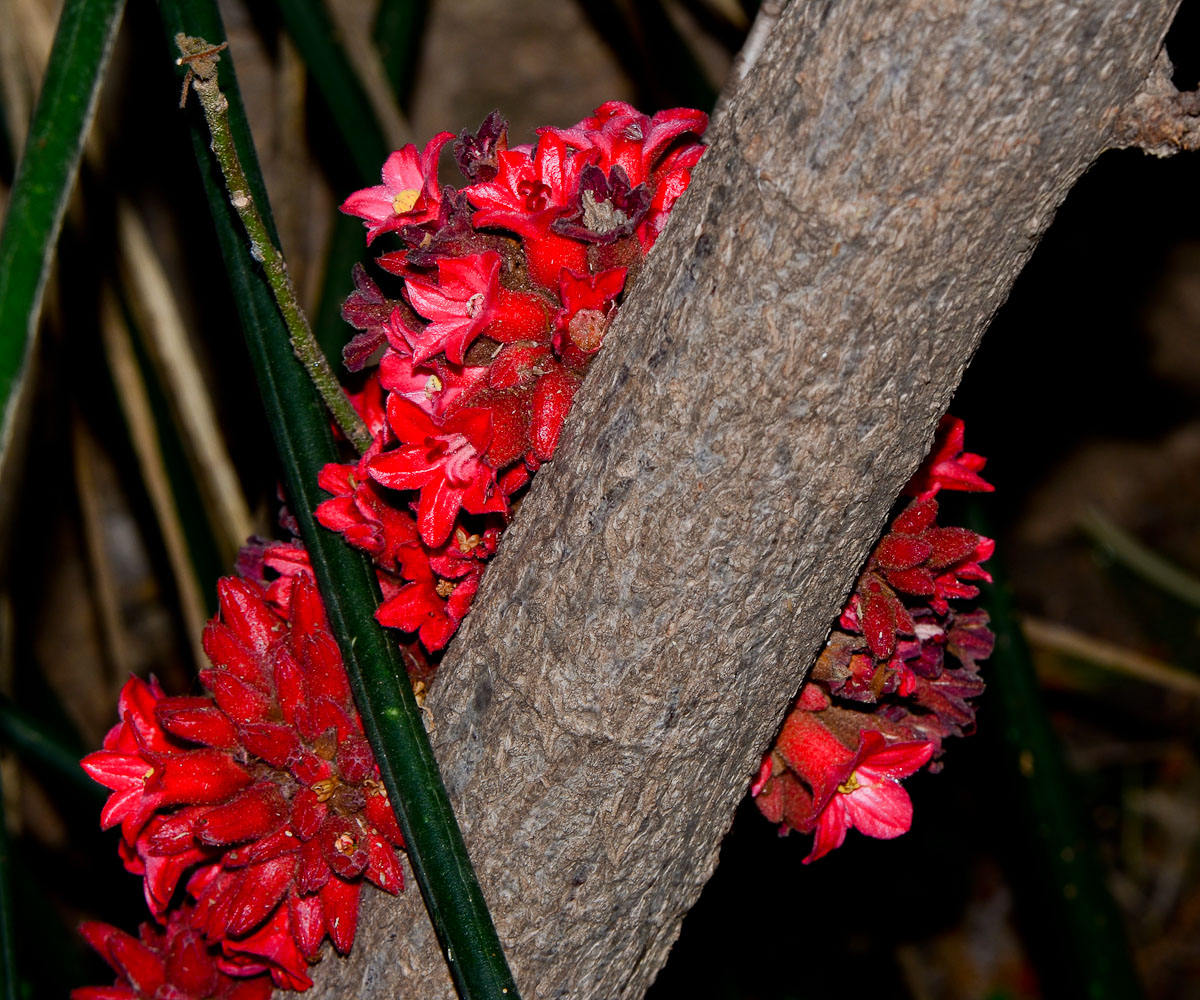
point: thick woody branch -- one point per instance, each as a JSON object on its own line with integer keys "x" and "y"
{"x": 883, "y": 173}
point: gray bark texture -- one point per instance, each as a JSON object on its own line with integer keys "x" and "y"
{"x": 882, "y": 175}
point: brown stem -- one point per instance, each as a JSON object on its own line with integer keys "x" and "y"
{"x": 201, "y": 59}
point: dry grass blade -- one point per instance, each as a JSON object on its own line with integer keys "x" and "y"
{"x": 104, "y": 580}
{"x": 139, "y": 417}
{"x": 355, "y": 35}
{"x": 1063, "y": 639}
{"x": 163, "y": 329}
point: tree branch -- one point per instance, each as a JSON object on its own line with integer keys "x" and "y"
{"x": 882, "y": 175}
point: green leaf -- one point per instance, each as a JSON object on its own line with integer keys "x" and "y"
{"x": 1089, "y": 949}
{"x": 398, "y": 30}
{"x": 37, "y": 744}
{"x": 391, "y": 717}
{"x": 43, "y": 182}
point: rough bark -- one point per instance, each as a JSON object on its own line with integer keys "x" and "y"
{"x": 882, "y": 176}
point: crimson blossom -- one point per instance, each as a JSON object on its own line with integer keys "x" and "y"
{"x": 259, "y": 802}
{"x": 505, "y": 296}
{"x": 883, "y": 695}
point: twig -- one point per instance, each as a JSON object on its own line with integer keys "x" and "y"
{"x": 201, "y": 59}
{"x": 756, "y": 40}
{"x": 143, "y": 435}
{"x": 1161, "y": 119}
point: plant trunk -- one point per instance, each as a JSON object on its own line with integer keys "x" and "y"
{"x": 882, "y": 175}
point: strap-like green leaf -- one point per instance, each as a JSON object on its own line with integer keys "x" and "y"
{"x": 1088, "y": 948}
{"x": 38, "y": 745}
{"x": 43, "y": 182}
{"x": 347, "y": 581}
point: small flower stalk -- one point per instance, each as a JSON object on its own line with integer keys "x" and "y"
{"x": 898, "y": 673}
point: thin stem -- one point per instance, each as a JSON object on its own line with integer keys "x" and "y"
{"x": 348, "y": 584}
{"x": 201, "y": 58}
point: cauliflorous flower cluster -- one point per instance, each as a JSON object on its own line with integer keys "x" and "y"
{"x": 883, "y": 696}
{"x": 508, "y": 288}
{"x": 254, "y": 813}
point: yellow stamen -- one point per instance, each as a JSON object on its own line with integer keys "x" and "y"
{"x": 850, "y": 784}
{"x": 404, "y": 201}
{"x": 325, "y": 789}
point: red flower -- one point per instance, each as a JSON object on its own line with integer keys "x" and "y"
{"x": 267, "y": 791}
{"x": 442, "y": 586}
{"x": 409, "y": 193}
{"x": 458, "y": 305}
{"x": 625, "y": 137}
{"x": 651, "y": 151}
{"x": 869, "y": 797}
{"x": 443, "y": 458}
{"x": 589, "y": 302}
{"x": 947, "y": 466}
{"x": 526, "y": 196}
{"x": 174, "y": 963}
{"x": 920, "y": 558}
{"x": 366, "y": 517}
{"x": 813, "y": 781}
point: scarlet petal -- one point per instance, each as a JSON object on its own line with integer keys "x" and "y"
{"x": 128, "y": 957}
{"x": 189, "y": 967}
{"x": 228, "y": 652}
{"x": 897, "y": 552}
{"x": 201, "y": 777}
{"x": 551, "y": 400}
{"x": 308, "y": 924}
{"x": 274, "y": 947}
{"x": 340, "y": 900}
{"x": 240, "y": 701}
{"x": 272, "y": 742}
{"x": 379, "y": 812}
{"x": 883, "y": 811}
{"x": 384, "y": 868}
{"x": 832, "y": 825}
{"x": 259, "y": 894}
{"x": 254, "y": 813}
{"x": 355, "y": 759}
{"x": 244, "y": 610}
{"x": 312, "y": 872}
{"x": 197, "y": 720}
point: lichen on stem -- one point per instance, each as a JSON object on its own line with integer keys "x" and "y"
{"x": 201, "y": 58}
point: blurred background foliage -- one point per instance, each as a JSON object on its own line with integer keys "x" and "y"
{"x": 142, "y": 461}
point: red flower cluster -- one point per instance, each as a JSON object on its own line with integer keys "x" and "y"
{"x": 254, "y": 813}
{"x": 261, "y": 798}
{"x": 509, "y": 286}
{"x": 882, "y": 697}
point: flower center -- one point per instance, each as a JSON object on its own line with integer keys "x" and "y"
{"x": 535, "y": 193}
{"x": 345, "y": 844}
{"x": 474, "y": 304}
{"x": 404, "y": 200}
{"x": 850, "y": 784}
